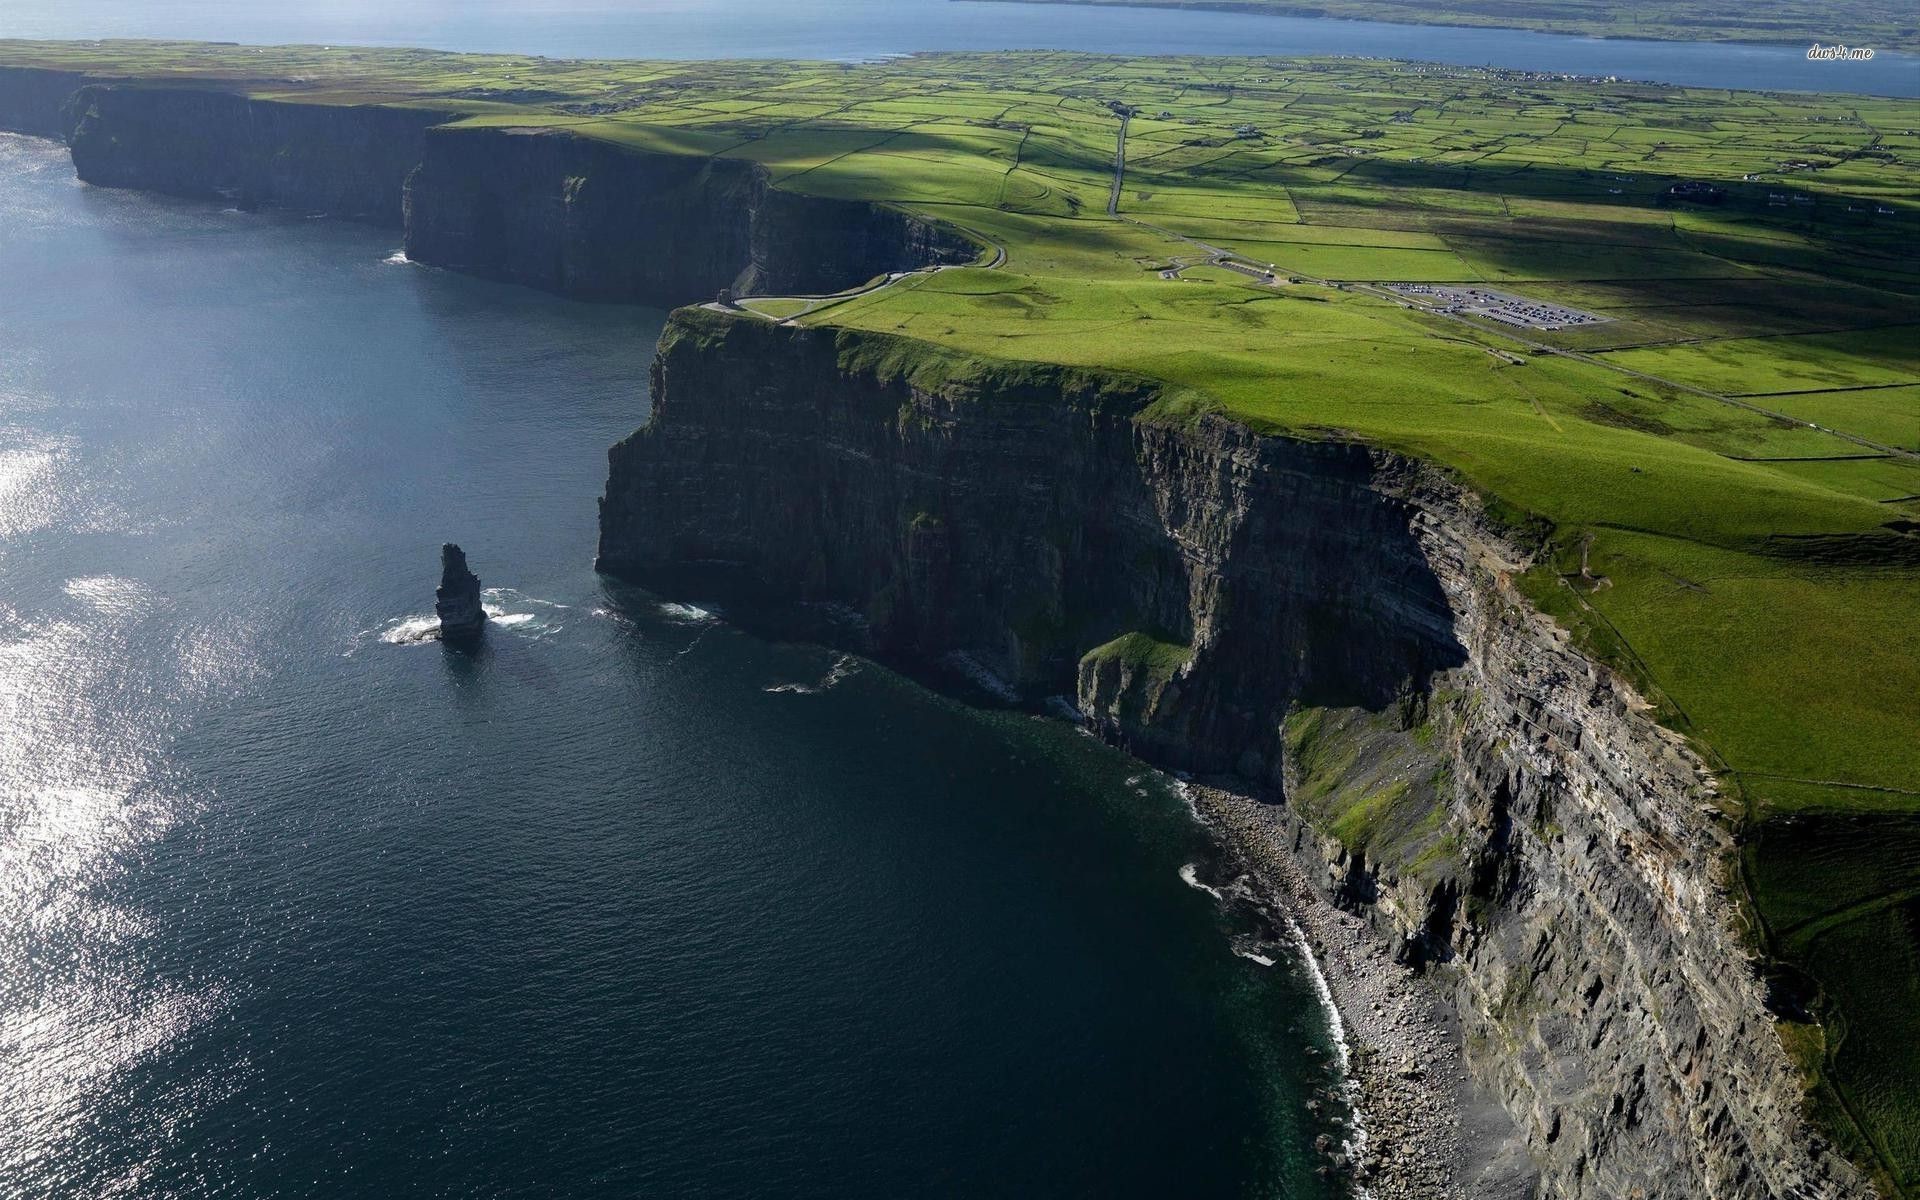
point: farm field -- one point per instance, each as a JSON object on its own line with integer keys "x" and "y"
{"x": 1732, "y": 449}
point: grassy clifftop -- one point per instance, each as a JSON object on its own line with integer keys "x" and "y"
{"x": 1725, "y": 460}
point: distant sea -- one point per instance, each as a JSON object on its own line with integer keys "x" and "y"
{"x": 860, "y": 29}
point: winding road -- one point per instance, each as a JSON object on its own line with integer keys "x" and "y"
{"x": 815, "y": 304}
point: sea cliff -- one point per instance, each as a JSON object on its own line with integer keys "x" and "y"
{"x": 1327, "y": 630}
{"x": 343, "y": 160}
{"x": 600, "y": 221}
{"x": 32, "y": 99}
{"x": 537, "y": 206}
{"x": 1330, "y": 630}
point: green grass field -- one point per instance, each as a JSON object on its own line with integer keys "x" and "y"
{"x": 1761, "y": 559}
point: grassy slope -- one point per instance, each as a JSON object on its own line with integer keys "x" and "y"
{"x": 1884, "y": 24}
{"x": 1738, "y": 565}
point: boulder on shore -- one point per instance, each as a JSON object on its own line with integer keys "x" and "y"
{"x": 457, "y": 600}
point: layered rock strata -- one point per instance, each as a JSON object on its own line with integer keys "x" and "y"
{"x": 1324, "y": 624}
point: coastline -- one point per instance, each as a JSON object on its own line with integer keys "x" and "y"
{"x": 1364, "y": 951}
{"x": 1311, "y": 12}
{"x": 1427, "y": 1129}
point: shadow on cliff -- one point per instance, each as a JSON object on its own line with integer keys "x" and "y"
{"x": 1019, "y": 532}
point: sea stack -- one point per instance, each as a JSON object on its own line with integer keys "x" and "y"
{"x": 457, "y": 600}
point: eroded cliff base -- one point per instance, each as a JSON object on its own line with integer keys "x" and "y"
{"x": 1427, "y": 1127}
{"x": 1324, "y": 622}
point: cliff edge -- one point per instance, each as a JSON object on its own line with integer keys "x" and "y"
{"x": 1330, "y": 627}
{"x": 539, "y": 206}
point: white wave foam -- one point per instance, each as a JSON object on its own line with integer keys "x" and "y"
{"x": 1190, "y": 875}
{"x": 420, "y": 628}
{"x": 1185, "y": 793}
{"x": 1322, "y": 991}
{"x": 1242, "y": 888}
{"x": 843, "y": 666}
{"x": 506, "y": 608}
{"x": 690, "y": 614}
{"x": 1354, "y": 1146}
{"x": 408, "y": 631}
{"x": 691, "y": 646}
{"x": 506, "y": 595}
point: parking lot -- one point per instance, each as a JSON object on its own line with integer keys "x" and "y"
{"x": 1504, "y": 307}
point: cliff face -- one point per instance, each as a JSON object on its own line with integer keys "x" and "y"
{"x": 31, "y": 100}
{"x": 589, "y": 218}
{"x": 1327, "y": 622}
{"x": 545, "y": 208}
{"x": 347, "y": 161}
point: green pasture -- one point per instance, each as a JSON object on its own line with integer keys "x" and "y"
{"x": 1842, "y": 893}
{"x": 1764, "y": 366}
{"x": 1886, "y": 414}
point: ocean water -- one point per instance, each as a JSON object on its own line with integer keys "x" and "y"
{"x": 296, "y": 903}
{"x": 852, "y": 29}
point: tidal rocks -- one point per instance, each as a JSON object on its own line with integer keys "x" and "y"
{"x": 457, "y": 600}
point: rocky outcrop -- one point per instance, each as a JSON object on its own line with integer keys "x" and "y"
{"x": 1332, "y": 625}
{"x": 457, "y": 600}
{"x": 590, "y": 218}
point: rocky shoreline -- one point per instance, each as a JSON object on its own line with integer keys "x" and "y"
{"x": 1430, "y": 1131}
